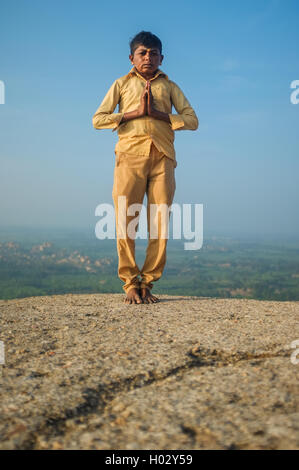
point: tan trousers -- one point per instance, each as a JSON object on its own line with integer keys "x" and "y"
{"x": 135, "y": 176}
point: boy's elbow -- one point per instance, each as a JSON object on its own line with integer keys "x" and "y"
{"x": 194, "y": 124}
{"x": 191, "y": 121}
{"x": 95, "y": 122}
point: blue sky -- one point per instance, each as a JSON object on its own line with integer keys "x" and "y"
{"x": 234, "y": 61}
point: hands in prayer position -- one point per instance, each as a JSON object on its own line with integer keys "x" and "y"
{"x": 146, "y": 107}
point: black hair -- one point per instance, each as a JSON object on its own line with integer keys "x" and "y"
{"x": 145, "y": 38}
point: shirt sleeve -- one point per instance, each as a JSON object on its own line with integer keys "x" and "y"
{"x": 104, "y": 117}
{"x": 186, "y": 118}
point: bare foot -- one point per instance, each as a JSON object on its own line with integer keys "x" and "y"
{"x": 147, "y": 296}
{"x": 133, "y": 296}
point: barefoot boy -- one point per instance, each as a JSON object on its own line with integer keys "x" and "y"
{"x": 145, "y": 155}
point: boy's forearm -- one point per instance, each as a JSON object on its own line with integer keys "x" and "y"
{"x": 160, "y": 115}
{"x": 131, "y": 115}
{"x": 154, "y": 114}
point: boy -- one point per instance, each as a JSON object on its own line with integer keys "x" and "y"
{"x": 145, "y": 155}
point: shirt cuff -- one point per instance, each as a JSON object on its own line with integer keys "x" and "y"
{"x": 176, "y": 121}
{"x": 117, "y": 124}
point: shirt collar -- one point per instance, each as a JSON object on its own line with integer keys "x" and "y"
{"x": 134, "y": 71}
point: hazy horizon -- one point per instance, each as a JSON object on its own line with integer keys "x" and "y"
{"x": 44, "y": 232}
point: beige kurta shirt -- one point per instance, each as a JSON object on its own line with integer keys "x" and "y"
{"x": 136, "y": 135}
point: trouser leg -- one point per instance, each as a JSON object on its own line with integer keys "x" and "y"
{"x": 130, "y": 175}
{"x": 160, "y": 191}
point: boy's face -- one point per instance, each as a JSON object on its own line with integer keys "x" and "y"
{"x": 146, "y": 60}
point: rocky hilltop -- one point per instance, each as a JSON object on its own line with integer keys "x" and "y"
{"x": 89, "y": 372}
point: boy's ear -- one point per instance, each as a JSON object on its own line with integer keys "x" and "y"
{"x": 162, "y": 57}
{"x": 131, "y": 58}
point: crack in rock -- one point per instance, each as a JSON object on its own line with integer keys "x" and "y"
{"x": 97, "y": 399}
{"x": 212, "y": 357}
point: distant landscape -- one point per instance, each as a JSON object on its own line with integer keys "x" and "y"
{"x": 45, "y": 263}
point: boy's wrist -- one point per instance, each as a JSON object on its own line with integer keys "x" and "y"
{"x": 159, "y": 115}
{"x": 132, "y": 115}
{"x": 140, "y": 113}
{"x": 153, "y": 113}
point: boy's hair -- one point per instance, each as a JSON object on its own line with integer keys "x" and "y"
{"x": 145, "y": 38}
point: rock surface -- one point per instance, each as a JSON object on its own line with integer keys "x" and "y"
{"x": 89, "y": 372}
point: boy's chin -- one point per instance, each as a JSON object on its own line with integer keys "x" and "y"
{"x": 147, "y": 69}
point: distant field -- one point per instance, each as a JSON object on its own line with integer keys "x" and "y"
{"x": 57, "y": 263}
